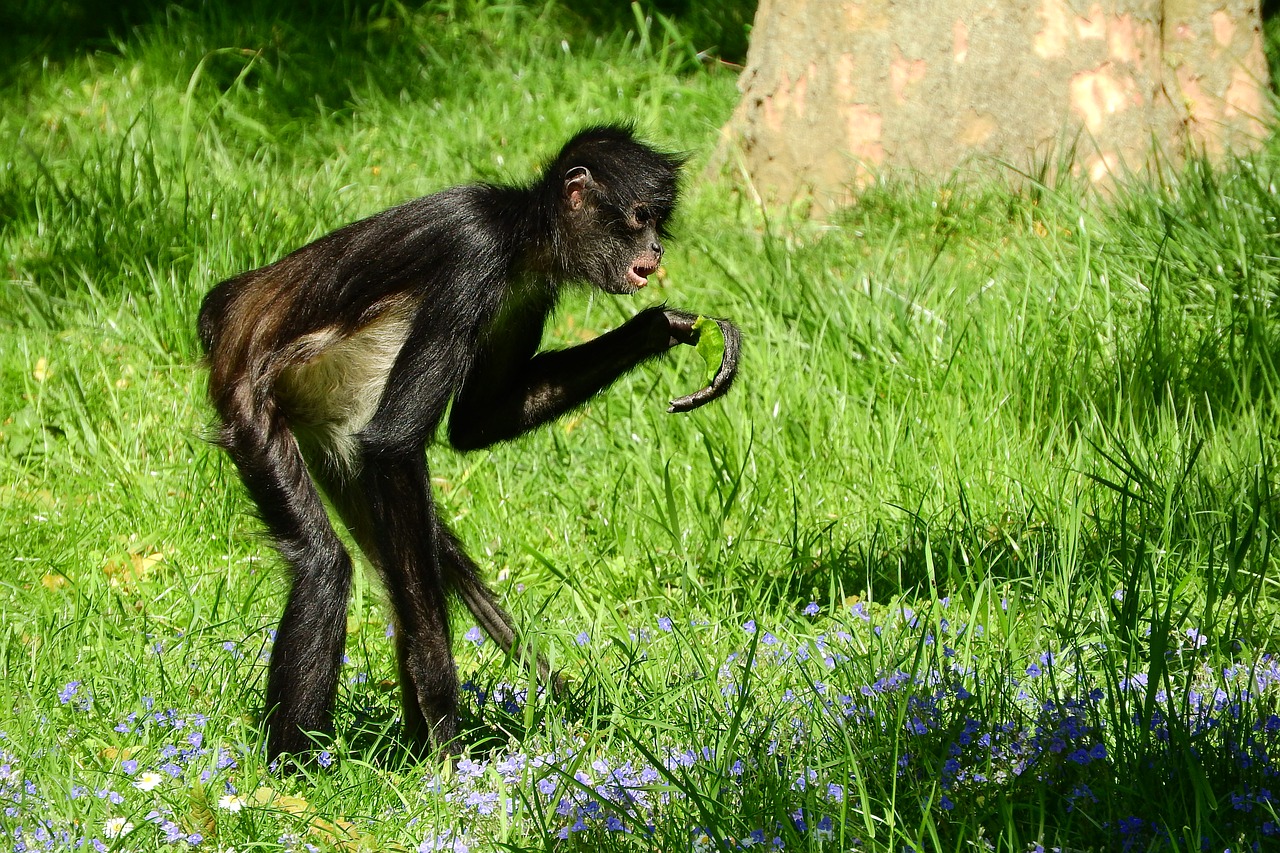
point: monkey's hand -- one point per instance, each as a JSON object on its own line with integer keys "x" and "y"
{"x": 684, "y": 329}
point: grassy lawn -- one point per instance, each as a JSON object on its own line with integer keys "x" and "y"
{"x": 980, "y": 552}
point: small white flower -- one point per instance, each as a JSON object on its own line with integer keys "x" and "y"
{"x": 115, "y": 827}
{"x": 231, "y": 802}
{"x": 148, "y": 781}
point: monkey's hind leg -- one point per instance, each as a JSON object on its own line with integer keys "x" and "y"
{"x": 302, "y": 678}
{"x": 403, "y": 534}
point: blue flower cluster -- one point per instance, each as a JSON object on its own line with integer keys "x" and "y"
{"x": 969, "y": 740}
{"x": 587, "y": 796}
{"x": 178, "y": 762}
{"x": 802, "y": 733}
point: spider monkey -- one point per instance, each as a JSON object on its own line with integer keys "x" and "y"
{"x": 331, "y": 369}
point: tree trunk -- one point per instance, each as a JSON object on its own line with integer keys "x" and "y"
{"x": 835, "y": 92}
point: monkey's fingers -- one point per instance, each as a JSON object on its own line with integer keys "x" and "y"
{"x": 724, "y": 376}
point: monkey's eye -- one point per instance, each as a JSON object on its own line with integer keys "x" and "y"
{"x": 643, "y": 215}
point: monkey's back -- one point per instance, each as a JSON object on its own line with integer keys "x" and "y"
{"x": 373, "y": 275}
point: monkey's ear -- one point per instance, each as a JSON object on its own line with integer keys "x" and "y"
{"x": 576, "y": 182}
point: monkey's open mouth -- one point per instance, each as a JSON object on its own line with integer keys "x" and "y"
{"x": 639, "y": 274}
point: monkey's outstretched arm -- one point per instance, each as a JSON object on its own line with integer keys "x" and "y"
{"x": 554, "y": 382}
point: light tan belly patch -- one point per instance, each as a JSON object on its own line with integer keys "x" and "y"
{"x": 332, "y": 396}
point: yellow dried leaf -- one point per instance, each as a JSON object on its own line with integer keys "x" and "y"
{"x": 41, "y": 371}
{"x": 117, "y": 572}
{"x": 53, "y": 581}
{"x": 262, "y": 796}
{"x": 291, "y": 804}
{"x": 265, "y": 796}
{"x": 111, "y": 753}
{"x": 144, "y": 563}
{"x": 342, "y": 834}
{"x": 133, "y": 568}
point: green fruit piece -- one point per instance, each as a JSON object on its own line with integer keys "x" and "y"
{"x": 710, "y": 345}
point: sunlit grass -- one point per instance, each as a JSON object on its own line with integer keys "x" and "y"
{"x": 980, "y": 549}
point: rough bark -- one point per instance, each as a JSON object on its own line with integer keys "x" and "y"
{"x": 835, "y": 91}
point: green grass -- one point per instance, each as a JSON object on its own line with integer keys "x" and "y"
{"x": 1043, "y": 426}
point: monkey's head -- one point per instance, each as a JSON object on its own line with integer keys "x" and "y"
{"x": 614, "y": 195}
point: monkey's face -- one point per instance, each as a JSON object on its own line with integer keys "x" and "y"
{"x": 622, "y": 261}
{"x": 620, "y": 249}
{"x": 617, "y": 242}
{"x": 642, "y": 254}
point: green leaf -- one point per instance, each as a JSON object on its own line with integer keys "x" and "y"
{"x": 710, "y": 345}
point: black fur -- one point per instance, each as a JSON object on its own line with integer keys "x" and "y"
{"x": 455, "y": 288}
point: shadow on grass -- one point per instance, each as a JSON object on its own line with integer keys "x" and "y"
{"x": 63, "y": 29}
{"x": 273, "y": 71}
{"x": 715, "y": 30}
{"x": 1147, "y": 532}
{"x": 293, "y": 56}
{"x": 945, "y": 556}
{"x": 493, "y": 713}
{"x": 352, "y": 40}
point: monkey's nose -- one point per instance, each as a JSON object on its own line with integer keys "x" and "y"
{"x": 656, "y": 248}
